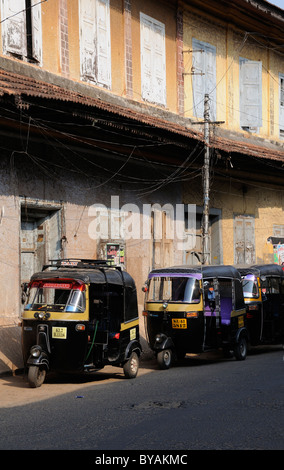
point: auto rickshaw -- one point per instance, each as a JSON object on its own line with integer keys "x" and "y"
{"x": 194, "y": 309}
{"x": 263, "y": 287}
{"x": 80, "y": 315}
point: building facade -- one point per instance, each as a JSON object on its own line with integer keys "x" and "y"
{"x": 103, "y": 137}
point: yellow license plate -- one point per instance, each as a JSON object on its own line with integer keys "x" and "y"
{"x": 59, "y": 332}
{"x": 179, "y": 323}
{"x": 241, "y": 322}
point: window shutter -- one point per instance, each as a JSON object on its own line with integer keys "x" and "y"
{"x": 146, "y": 59}
{"x": 103, "y": 43}
{"x": 36, "y": 30}
{"x": 250, "y": 93}
{"x": 14, "y": 27}
{"x": 204, "y": 77}
{"x": 159, "y": 64}
{"x": 198, "y": 77}
{"x": 153, "y": 60}
{"x": 210, "y": 83}
{"x": 87, "y": 40}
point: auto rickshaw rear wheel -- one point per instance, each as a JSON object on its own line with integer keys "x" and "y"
{"x": 36, "y": 376}
{"x": 240, "y": 349}
{"x": 130, "y": 368}
{"x": 165, "y": 358}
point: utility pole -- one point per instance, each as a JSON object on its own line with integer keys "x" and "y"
{"x": 206, "y": 182}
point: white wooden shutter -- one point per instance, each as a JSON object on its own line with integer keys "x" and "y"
{"x": 153, "y": 60}
{"x": 159, "y": 64}
{"x": 87, "y": 39}
{"x": 103, "y": 43}
{"x": 250, "y": 93}
{"x": 146, "y": 58}
{"x": 204, "y": 77}
{"x": 95, "y": 52}
{"x": 14, "y": 27}
{"x": 36, "y": 30}
{"x": 281, "y": 105}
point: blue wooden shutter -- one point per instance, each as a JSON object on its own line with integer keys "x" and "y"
{"x": 204, "y": 77}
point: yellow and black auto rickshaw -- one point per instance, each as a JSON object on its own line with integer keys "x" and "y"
{"x": 80, "y": 315}
{"x": 263, "y": 287}
{"x": 195, "y": 309}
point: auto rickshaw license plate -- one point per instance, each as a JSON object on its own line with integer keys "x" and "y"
{"x": 179, "y": 323}
{"x": 59, "y": 332}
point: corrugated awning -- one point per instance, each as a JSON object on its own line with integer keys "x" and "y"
{"x": 22, "y": 87}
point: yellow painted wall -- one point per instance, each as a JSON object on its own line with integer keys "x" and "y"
{"x": 231, "y": 44}
{"x": 50, "y": 36}
{"x": 161, "y": 11}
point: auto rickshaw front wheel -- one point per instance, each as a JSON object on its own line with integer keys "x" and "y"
{"x": 36, "y": 376}
{"x": 165, "y": 358}
{"x": 130, "y": 368}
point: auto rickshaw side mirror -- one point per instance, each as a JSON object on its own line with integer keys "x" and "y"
{"x": 145, "y": 287}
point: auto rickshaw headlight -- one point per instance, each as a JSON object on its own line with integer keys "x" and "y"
{"x": 159, "y": 338}
{"x": 35, "y": 351}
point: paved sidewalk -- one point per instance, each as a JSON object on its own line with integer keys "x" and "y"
{"x": 15, "y": 390}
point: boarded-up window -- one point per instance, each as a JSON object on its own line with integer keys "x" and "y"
{"x": 153, "y": 60}
{"x": 203, "y": 77}
{"x": 281, "y": 106}
{"x": 244, "y": 241}
{"x": 21, "y": 29}
{"x": 250, "y": 94}
{"x": 95, "y": 50}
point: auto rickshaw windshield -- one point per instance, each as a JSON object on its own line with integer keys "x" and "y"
{"x": 250, "y": 286}
{"x": 62, "y": 297}
{"x": 174, "y": 289}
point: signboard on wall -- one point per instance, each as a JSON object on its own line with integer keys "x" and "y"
{"x": 278, "y": 249}
{"x": 115, "y": 253}
{"x": 278, "y": 252}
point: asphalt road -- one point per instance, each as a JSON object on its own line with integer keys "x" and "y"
{"x": 203, "y": 403}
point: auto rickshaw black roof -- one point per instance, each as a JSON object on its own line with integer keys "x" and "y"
{"x": 212, "y": 271}
{"x": 88, "y": 271}
{"x": 263, "y": 270}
